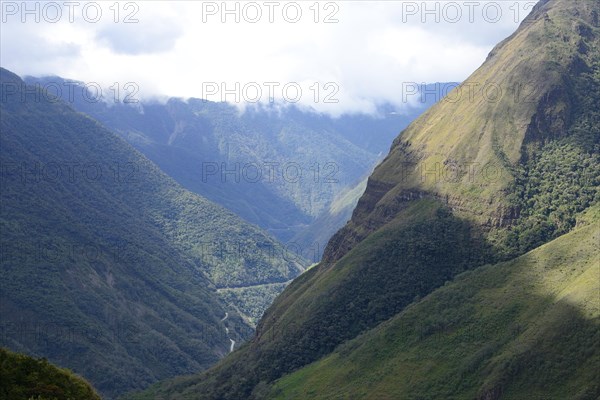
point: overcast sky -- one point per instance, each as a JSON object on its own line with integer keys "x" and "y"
{"x": 344, "y": 55}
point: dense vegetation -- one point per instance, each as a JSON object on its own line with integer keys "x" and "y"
{"x": 26, "y": 378}
{"x": 380, "y": 276}
{"x": 562, "y": 177}
{"x": 109, "y": 267}
{"x": 412, "y": 232}
{"x": 528, "y": 328}
{"x": 252, "y": 301}
{"x": 556, "y": 184}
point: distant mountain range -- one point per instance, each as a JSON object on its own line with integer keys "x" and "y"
{"x": 281, "y": 168}
{"x": 112, "y": 269}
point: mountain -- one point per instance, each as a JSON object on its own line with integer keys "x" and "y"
{"x": 108, "y": 266}
{"x": 280, "y": 168}
{"x": 505, "y": 164}
{"x": 24, "y": 378}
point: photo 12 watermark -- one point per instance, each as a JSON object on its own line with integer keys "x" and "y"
{"x": 254, "y": 92}
{"x": 469, "y": 91}
{"x": 252, "y": 12}
{"x": 454, "y": 12}
{"x": 69, "y": 92}
{"x": 51, "y": 334}
{"x": 53, "y": 12}
{"x": 269, "y": 172}
{"x": 451, "y": 172}
{"x": 55, "y": 252}
{"x": 237, "y": 252}
{"x": 68, "y": 172}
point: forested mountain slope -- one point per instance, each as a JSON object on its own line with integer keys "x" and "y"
{"x": 108, "y": 266}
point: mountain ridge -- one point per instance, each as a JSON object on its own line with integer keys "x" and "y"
{"x": 399, "y": 171}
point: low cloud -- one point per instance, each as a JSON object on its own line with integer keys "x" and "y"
{"x": 362, "y": 56}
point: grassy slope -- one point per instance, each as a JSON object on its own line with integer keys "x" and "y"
{"x": 433, "y": 140}
{"x": 376, "y": 285}
{"x": 527, "y": 328}
{"x": 25, "y": 378}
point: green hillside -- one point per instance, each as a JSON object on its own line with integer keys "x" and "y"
{"x": 527, "y": 328}
{"x": 25, "y": 378}
{"x": 108, "y": 266}
{"x": 474, "y": 181}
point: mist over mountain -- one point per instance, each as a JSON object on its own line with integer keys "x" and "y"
{"x": 281, "y": 168}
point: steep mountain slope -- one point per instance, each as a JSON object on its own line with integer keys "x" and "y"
{"x": 24, "y": 378}
{"x": 527, "y": 328}
{"x": 535, "y": 94}
{"x": 108, "y": 266}
{"x": 279, "y": 168}
{"x": 475, "y": 180}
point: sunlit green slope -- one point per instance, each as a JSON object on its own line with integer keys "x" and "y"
{"x": 524, "y": 329}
